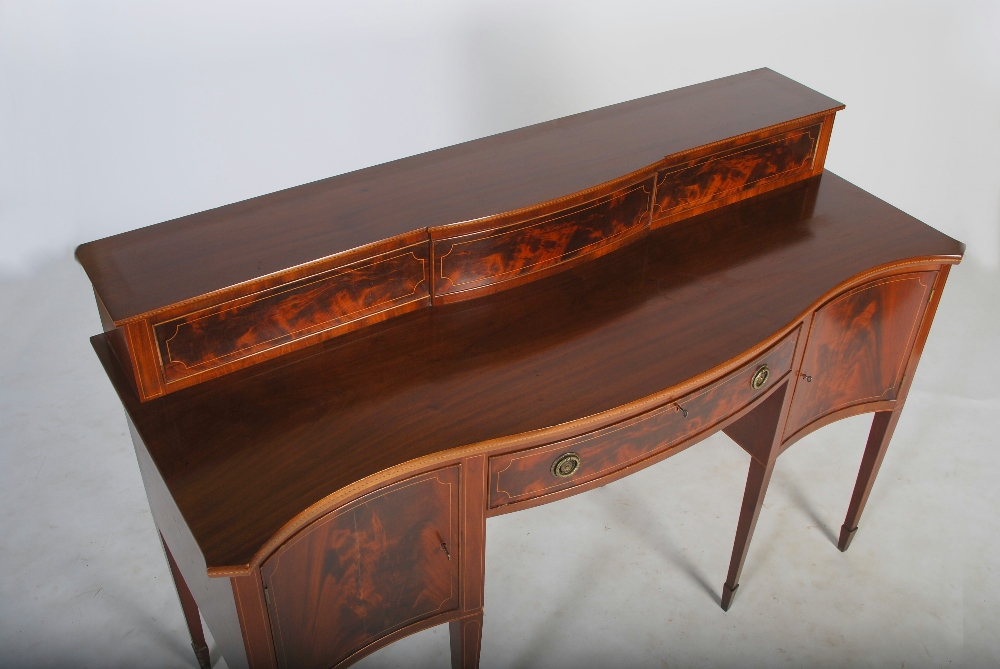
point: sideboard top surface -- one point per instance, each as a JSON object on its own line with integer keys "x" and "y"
{"x": 146, "y": 269}
{"x": 243, "y": 454}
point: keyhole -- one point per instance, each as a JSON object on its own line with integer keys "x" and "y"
{"x": 444, "y": 545}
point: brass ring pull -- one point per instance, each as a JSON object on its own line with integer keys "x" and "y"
{"x": 566, "y": 465}
{"x": 760, "y": 377}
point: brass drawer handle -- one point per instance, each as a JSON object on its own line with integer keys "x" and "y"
{"x": 760, "y": 377}
{"x": 566, "y": 465}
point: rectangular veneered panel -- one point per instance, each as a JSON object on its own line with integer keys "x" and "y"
{"x": 149, "y": 268}
{"x": 716, "y": 177}
{"x": 858, "y": 346}
{"x": 387, "y": 560}
{"x": 476, "y": 262}
{"x": 524, "y": 475}
{"x": 212, "y": 337}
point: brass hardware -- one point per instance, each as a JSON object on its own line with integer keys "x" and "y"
{"x": 566, "y": 465}
{"x": 760, "y": 377}
{"x": 808, "y": 378}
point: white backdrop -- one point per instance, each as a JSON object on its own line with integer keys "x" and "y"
{"x": 116, "y": 115}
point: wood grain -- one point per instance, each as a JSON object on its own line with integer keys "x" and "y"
{"x": 212, "y": 337}
{"x": 527, "y": 474}
{"x": 145, "y": 269}
{"x": 884, "y": 422}
{"x": 690, "y": 184}
{"x": 208, "y": 294}
{"x": 466, "y": 641}
{"x": 465, "y": 262}
{"x": 365, "y": 571}
{"x": 765, "y": 442}
{"x": 254, "y": 621}
{"x": 688, "y": 298}
{"x": 857, "y": 348}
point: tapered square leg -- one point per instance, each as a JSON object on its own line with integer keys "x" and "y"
{"x": 466, "y": 641}
{"x": 753, "y": 499}
{"x": 883, "y": 425}
{"x": 758, "y": 434}
{"x": 727, "y": 596}
{"x": 846, "y": 537}
{"x": 191, "y": 615}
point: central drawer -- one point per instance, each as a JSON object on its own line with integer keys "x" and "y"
{"x": 524, "y": 475}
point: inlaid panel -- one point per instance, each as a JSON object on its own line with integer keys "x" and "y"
{"x": 364, "y": 571}
{"x": 467, "y": 262}
{"x": 213, "y": 337}
{"x": 692, "y": 184}
{"x": 857, "y": 347}
{"x": 527, "y": 474}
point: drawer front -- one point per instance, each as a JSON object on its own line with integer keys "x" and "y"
{"x": 524, "y": 475}
{"x": 468, "y": 263}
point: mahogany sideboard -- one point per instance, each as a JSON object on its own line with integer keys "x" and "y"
{"x": 330, "y": 388}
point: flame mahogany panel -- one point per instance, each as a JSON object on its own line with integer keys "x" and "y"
{"x": 207, "y": 294}
{"x": 465, "y": 262}
{"x": 212, "y": 337}
{"x": 523, "y": 475}
{"x": 692, "y": 184}
{"x": 857, "y": 347}
{"x": 365, "y": 570}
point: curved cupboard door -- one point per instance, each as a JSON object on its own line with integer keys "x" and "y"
{"x": 858, "y": 346}
{"x": 365, "y": 570}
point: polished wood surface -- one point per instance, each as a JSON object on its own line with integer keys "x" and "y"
{"x": 691, "y": 297}
{"x": 206, "y": 339}
{"x": 466, "y": 639}
{"x": 190, "y": 608}
{"x": 466, "y": 262}
{"x": 366, "y": 570}
{"x": 180, "y": 320}
{"x": 760, "y": 432}
{"x": 858, "y": 345}
{"x": 248, "y": 592}
{"x": 526, "y": 474}
{"x": 884, "y": 422}
{"x": 330, "y": 388}
{"x": 689, "y": 185}
{"x": 148, "y": 268}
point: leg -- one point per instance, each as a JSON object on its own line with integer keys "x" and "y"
{"x": 467, "y": 633}
{"x": 885, "y": 421}
{"x": 753, "y": 500}
{"x": 758, "y": 434}
{"x": 466, "y": 637}
{"x": 878, "y": 441}
{"x": 190, "y": 612}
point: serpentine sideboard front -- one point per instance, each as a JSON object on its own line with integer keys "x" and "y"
{"x": 332, "y": 387}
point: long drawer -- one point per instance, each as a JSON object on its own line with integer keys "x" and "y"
{"x": 524, "y": 475}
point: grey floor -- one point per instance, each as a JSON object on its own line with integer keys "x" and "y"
{"x": 626, "y": 575}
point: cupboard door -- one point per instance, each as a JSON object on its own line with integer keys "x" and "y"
{"x": 858, "y": 347}
{"x": 365, "y": 570}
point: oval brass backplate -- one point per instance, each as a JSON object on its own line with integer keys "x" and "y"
{"x": 760, "y": 378}
{"x": 566, "y": 465}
